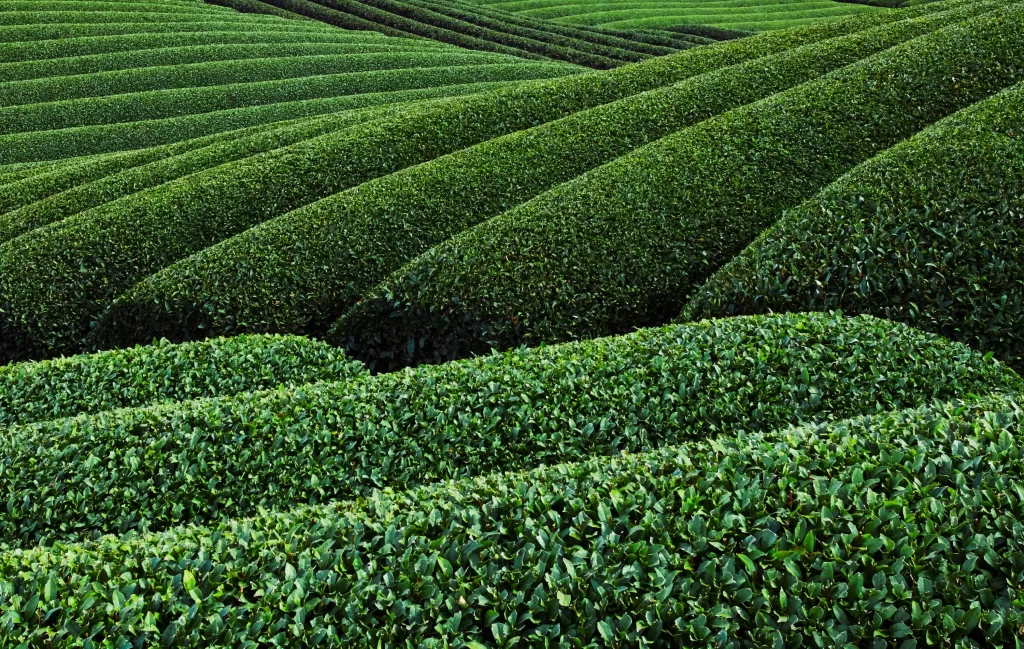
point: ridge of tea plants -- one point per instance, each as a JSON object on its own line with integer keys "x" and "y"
{"x": 495, "y": 323}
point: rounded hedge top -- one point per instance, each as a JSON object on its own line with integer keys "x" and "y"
{"x": 140, "y": 376}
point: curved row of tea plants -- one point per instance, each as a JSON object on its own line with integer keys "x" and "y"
{"x": 218, "y": 74}
{"x": 928, "y": 233}
{"x": 77, "y": 109}
{"x": 624, "y": 245}
{"x": 899, "y": 527}
{"x": 461, "y": 24}
{"x": 415, "y": 71}
{"x": 620, "y": 42}
{"x": 301, "y": 271}
{"x": 208, "y": 459}
{"x": 51, "y": 197}
{"x": 88, "y": 260}
{"x": 39, "y": 69}
{"x": 162, "y": 372}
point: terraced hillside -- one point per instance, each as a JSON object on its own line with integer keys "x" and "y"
{"x": 81, "y": 78}
{"x": 317, "y": 334}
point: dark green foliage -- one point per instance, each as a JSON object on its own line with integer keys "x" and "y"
{"x": 160, "y": 372}
{"x": 255, "y": 7}
{"x": 928, "y": 233}
{"x": 527, "y": 40}
{"x": 478, "y": 28}
{"x": 665, "y": 39}
{"x": 604, "y": 56}
{"x": 86, "y": 262}
{"x": 707, "y": 31}
{"x": 624, "y": 245}
{"x": 431, "y": 70}
{"x": 628, "y": 42}
{"x": 899, "y": 529}
{"x": 343, "y": 19}
{"x": 209, "y": 459}
{"x": 299, "y": 271}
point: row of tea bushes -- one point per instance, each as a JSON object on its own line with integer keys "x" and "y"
{"x": 895, "y": 529}
{"x": 928, "y": 233}
{"x": 209, "y": 459}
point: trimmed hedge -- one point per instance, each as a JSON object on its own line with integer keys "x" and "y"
{"x": 929, "y": 233}
{"x": 107, "y": 138}
{"x": 538, "y": 30}
{"x": 97, "y": 257}
{"x": 301, "y": 271}
{"x": 623, "y": 246}
{"x": 224, "y": 73}
{"x": 162, "y": 372}
{"x": 16, "y": 172}
{"x": 869, "y": 532}
{"x": 122, "y": 17}
{"x": 209, "y": 459}
{"x": 641, "y": 15}
{"x": 257, "y": 7}
{"x": 665, "y": 39}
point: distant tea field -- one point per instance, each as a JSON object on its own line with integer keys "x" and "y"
{"x": 511, "y": 323}
{"x": 749, "y": 15}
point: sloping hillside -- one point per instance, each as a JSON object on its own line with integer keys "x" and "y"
{"x": 316, "y": 334}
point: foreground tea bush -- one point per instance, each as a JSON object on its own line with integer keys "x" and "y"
{"x": 929, "y": 233}
{"x": 164, "y": 372}
{"x": 299, "y": 272}
{"x": 623, "y": 246}
{"x": 194, "y": 462}
{"x": 896, "y": 528}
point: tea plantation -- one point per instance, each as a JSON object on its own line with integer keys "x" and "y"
{"x": 511, "y": 323}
